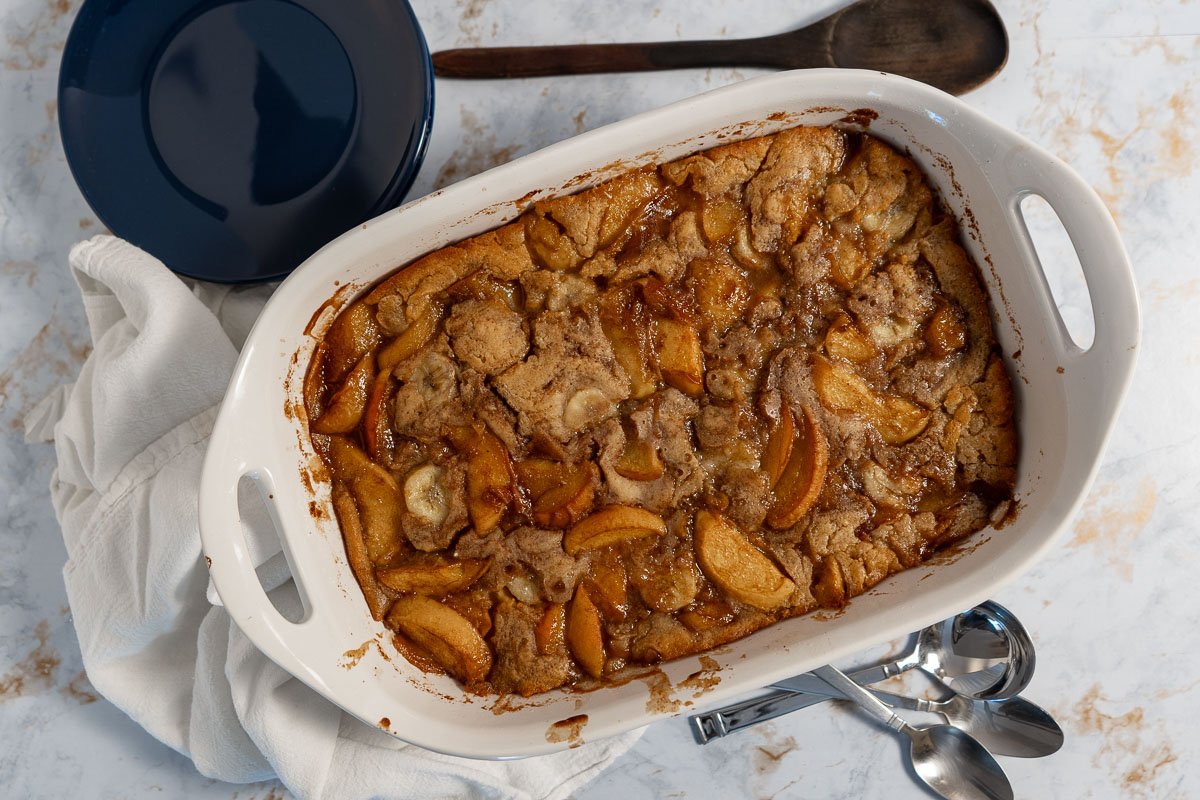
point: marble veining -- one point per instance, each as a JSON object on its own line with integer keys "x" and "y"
{"x": 1112, "y": 87}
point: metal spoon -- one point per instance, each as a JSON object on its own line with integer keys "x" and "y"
{"x": 953, "y": 45}
{"x": 952, "y": 763}
{"x": 1012, "y": 727}
{"x": 984, "y": 653}
{"x": 950, "y": 651}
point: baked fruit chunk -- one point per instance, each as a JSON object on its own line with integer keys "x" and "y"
{"x": 650, "y": 418}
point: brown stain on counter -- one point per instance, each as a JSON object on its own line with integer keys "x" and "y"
{"x": 1134, "y": 762}
{"x": 36, "y": 669}
{"x": 32, "y": 48}
{"x": 769, "y": 756}
{"x": 1139, "y": 144}
{"x": 51, "y": 352}
{"x": 28, "y": 269}
{"x": 469, "y": 27}
{"x": 1112, "y": 521}
{"x": 81, "y": 690}
{"x": 477, "y": 153}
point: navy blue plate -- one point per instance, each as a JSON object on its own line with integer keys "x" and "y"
{"x": 234, "y": 138}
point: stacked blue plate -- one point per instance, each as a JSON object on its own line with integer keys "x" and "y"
{"x": 234, "y": 138}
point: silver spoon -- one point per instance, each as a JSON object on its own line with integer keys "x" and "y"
{"x": 984, "y": 653}
{"x": 949, "y": 650}
{"x": 1012, "y": 727}
{"x": 952, "y": 763}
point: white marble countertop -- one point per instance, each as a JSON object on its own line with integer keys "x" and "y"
{"x": 1112, "y": 87}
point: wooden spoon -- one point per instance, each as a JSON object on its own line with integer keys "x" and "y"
{"x": 954, "y": 45}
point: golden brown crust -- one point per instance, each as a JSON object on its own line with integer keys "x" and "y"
{"x": 655, "y": 416}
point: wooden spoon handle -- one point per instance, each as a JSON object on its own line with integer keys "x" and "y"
{"x": 576, "y": 59}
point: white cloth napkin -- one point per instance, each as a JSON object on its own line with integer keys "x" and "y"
{"x": 130, "y": 436}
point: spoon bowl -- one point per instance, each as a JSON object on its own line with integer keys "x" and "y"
{"x": 947, "y": 759}
{"x": 984, "y": 653}
{"x": 955, "y": 765}
{"x": 1013, "y": 727}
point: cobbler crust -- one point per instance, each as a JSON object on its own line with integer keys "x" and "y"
{"x": 653, "y": 417}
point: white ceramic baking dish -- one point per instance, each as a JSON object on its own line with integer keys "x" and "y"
{"x": 1068, "y": 400}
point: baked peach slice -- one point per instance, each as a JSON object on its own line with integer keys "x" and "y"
{"x": 829, "y": 588}
{"x": 780, "y": 441}
{"x": 800, "y": 480}
{"x": 840, "y": 388}
{"x": 482, "y": 285}
{"x": 490, "y": 483}
{"x": 743, "y": 251}
{"x": 608, "y": 586}
{"x": 945, "y": 334}
{"x": 627, "y": 326}
{"x": 722, "y": 292}
{"x": 670, "y": 587}
{"x": 736, "y": 567}
{"x": 434, "y": 578}
{"x": 844, "y": 340}
{"x": 902, "y": 491}
{"x": 352, "y": 335}
{"x": 313, "y": 382}
{"x": 539, "y": 475}
{"x": 491, "y": 479}
{"x": 676, "y": 338}
{"x": 627, "y": 196}
{"x": 705, "y": 614}
{"x": 640, "y": 461}
{"x": 570, "y": 500}
{"x": 680, "y": 358}
{"x": 420, "y": 330}
{"x": 378, "y": 497}
{"x": 356, "y": 549}
{"x": 585, "y": 634}
{"x": 611, "y": 525}
{"x": 550, "y": 634}
{"x": 377, "y": 429}
{"x": 549, "y": 243}
{"x": 447, "y": 636}
{"x": 899, "y": 420}
{"x": 720, "y": 217}
{"x": 847, "y": 263}
{"x": 345, "y": 409}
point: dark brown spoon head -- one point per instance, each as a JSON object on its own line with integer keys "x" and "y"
{"x": 955, "y": 46}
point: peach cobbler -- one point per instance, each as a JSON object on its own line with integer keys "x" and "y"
{"x": 650, "y": 418}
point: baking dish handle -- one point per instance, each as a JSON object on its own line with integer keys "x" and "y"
{"x": 230, "y": 562}
{"x": 1095, "y": 377}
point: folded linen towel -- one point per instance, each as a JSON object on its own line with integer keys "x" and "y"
{"x": 130, "y": 437}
